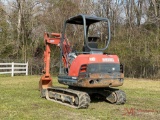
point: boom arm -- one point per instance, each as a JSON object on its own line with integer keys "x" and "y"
{"x": 48, "y": 41}
{"x": 46, "y": 80}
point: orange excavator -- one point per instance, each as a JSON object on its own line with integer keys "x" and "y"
{"x": 87, "y": 72}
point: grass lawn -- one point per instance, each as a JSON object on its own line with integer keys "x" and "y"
{"x": 20, "y": 99}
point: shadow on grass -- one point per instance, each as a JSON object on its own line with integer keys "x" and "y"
{"x": 95, "y": 98}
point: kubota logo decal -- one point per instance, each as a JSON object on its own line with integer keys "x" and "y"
{"x": 52, "y": 41}
{"x": 107, "y": 59}
{"x": 92, "y": 59}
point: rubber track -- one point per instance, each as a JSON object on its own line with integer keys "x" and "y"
{"x": 83, "y": 97}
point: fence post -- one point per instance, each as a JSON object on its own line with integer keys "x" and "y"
{"x": 27, "y": 68}
{"x": 12, "y": 69}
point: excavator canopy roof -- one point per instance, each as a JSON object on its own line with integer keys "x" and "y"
{"x": 89, "y": 19}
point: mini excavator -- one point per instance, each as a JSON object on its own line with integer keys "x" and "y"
{"x": 87, "y": 72}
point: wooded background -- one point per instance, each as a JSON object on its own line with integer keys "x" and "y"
{"x": 135, "y": 29}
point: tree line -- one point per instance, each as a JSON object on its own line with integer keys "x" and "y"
{"x": 135, "y": 31}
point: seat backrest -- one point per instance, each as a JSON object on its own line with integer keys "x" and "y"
{"x": 92, "y": 45}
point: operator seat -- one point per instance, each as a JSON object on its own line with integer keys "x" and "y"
{"x": 92, "y": 43}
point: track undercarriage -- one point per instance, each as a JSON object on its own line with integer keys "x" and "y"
{"x": 68, "y": 97}
{"x": 80, "y": 97}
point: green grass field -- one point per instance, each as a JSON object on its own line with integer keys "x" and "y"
{"x": 20, "y": 99}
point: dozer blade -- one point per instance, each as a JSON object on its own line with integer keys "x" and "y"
{"x": 68, "y": 97}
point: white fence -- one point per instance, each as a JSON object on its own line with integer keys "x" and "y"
{"x": 12, "y": 68}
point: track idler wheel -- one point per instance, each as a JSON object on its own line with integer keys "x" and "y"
{"x": 117, "y": 97}
{"x": 83, "y": 101}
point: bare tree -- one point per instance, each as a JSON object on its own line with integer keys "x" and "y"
{"x": 138, "y": 11}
